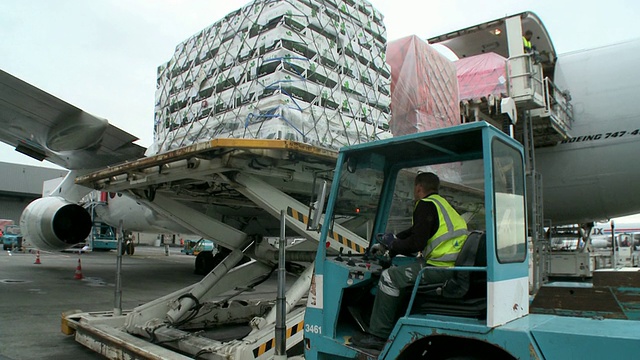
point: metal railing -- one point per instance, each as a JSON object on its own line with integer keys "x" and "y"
{"x": 533, "y": 81}
{"x": 532, "y": 91}
{"x": 557, "y": 104}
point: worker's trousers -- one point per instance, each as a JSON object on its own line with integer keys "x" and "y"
{"x": 395, "y": 283}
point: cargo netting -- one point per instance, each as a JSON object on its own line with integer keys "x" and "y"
{"x": 302, "y": 70}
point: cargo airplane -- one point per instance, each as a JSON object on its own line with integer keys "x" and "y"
{"x": 605, "y": 228}
{"x": 605, "y": 130}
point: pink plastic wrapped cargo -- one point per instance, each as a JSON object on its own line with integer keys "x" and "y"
{"x": 424, "y": 87}
{"x": 482, "y": 75}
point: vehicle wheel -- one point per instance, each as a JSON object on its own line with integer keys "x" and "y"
{"x": 204, "y": 263}
{"x": 466, "y": 356}
{"x": 130, "y": 248}
{"x": 150, "y": 194}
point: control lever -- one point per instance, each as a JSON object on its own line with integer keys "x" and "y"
{"x": 350, "y": 262}
{"x": 339, "y": 257}
{"x": 365, "y": 256}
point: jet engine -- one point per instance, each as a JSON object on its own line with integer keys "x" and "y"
{"x": 53, "y": 223}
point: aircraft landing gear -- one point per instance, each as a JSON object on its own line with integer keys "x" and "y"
{"x": 128, "y": 246}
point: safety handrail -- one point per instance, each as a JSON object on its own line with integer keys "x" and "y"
{"x": 537, "y": 82}
{"x": 557, "y": 104}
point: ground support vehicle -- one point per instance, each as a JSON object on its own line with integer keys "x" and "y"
{"x": 370, "y": 193}
{"x": 203, "y": 245}
{"x": 231, "y": 191}
{"x": 577, "y": 253}
{"x": 103, "y": 237}
{"x": 12, "y": 238}
{"x": 187, "y": 248}
{"x": 483, "y": 311}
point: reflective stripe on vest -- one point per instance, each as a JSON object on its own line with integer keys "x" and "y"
{"x": 443, "y": 247}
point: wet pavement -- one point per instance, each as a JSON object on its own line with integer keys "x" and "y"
{"x": 33, "y": 296}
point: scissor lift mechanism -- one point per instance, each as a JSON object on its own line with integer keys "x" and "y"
{"x": 253, "y": 176}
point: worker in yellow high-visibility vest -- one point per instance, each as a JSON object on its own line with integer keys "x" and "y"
{"x": 526, "y": 41}
{"x": 439, "y": 232}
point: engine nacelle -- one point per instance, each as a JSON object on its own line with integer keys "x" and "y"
{"x": 53, "y": 223}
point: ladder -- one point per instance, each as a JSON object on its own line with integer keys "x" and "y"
{"x": 541, "y": 245}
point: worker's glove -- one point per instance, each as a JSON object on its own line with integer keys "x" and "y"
{"x": 378, "y": 249}
{"x": 387, "y": 240}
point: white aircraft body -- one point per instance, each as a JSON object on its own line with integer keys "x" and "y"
{"x": 605, "y": 228}
{"x": 605, "y": 130}
{"x": 136, "y": 216}
{"x": 604, "y": 83}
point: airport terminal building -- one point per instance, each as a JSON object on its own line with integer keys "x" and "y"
{"x": 21, "y": 184}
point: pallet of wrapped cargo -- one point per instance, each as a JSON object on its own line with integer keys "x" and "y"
{"x": 424, "y": 87}
{"x": 309, "y": 71}
{"x": 424, "y": 93}
{"x": 482, "y": 76}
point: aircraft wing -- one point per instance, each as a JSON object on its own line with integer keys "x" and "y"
{"x": 44, "y": 127}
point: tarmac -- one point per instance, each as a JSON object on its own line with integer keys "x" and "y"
{"x": 33, "y": 296}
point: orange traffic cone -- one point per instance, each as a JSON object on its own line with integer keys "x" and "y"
{"x": 78, "y": 275}
{"x": 38, "y": 258}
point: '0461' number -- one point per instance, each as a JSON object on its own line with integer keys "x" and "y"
{"x": 315, "y": 329}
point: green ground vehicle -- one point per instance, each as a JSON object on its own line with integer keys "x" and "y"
{"x": 103, "y": 237}
{"x": 12, "y": 238}
{"x": 194, "y": 247}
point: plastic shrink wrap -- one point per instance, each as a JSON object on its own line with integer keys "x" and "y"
{"x": 303, "y": 70}
{"x": 424, "y": 93}
{"x": 482, "y": 76}
{"x": 424, "y": 88}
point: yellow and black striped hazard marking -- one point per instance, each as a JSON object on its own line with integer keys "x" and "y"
{"x": 332, "y": 234}
{"x": 263, "y": 348}
{"x": 344, "y": 241}
{"x": 298, "y": 215}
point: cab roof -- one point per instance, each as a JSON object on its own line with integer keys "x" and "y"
{"x": 440, "y": 145}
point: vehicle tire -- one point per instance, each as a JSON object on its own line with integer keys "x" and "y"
{"x": 451, "y": 348}
{"x": 466, "y": 356}
{"x": 204, "y": 263}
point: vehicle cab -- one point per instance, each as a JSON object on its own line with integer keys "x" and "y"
{"x": 482, "y": 175}
{"x": 195, "y": 247}
{"x": 12, "y": 238}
